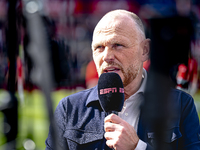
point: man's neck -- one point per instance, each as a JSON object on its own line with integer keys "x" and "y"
{"x": 133, "y": 87}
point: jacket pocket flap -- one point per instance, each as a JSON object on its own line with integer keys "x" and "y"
{"x": 169, "y": 135}
{"x": 82, "y": 137}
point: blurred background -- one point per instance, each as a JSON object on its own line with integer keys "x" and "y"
{"x": 45, "y": 55}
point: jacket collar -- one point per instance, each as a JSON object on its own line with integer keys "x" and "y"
{"x": 93, "y": 96}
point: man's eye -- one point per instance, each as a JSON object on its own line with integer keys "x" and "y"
{"x": 98, "y": 47}
{"x": 117, "y": 45}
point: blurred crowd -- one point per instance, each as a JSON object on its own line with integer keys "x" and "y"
{"x": 70, "y": 23}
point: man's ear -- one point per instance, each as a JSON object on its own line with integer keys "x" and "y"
{"x": 146, "y": 49}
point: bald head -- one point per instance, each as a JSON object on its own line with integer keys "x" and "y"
{"x": 119, "y": 14}
{"x": 119, "y": 45}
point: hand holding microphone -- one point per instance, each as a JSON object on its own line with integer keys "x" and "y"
{"x": 119, "y": 134}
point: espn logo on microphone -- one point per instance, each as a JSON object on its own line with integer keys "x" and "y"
{"x": 112, "y": 90}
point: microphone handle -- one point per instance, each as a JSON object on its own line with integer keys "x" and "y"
{"x": 113, "y": 112}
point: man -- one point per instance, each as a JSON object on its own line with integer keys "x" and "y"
{"x": 119, "y": 45}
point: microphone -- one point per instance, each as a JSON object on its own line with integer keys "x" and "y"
{"x": 111, "y": 92}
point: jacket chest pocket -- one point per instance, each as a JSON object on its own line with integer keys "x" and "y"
{"x": 169, "y": 137}
{"x": 85, "y": 140}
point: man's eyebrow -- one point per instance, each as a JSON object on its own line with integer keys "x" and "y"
{"x": 96, "y": 45}
{"x": 111, "y": 42}
{"x": 116, "y": 42}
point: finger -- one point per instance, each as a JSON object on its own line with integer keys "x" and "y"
{"x": 111, "y": 139}
{"x": 113, "y": 118}
{"x": 109, "y": 127}
{"x": 109, "y": 118}
{"x": 109, "y": 135}
{"x": 110, "y": 143}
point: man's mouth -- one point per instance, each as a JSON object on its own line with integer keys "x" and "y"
{"x": 111, "y": 69}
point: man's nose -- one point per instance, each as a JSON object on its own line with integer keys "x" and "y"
{"x": 108, "y": 54}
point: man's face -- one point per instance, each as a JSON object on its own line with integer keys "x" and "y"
{"x": 117, "y": 48}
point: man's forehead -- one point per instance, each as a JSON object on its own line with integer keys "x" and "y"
{"x": 108, "y": 31}
{"x": 111, "y": 39}
{"x": 113, "y": 22}
{"x": 115, "y": 27}
{"x": 115, "y": 32}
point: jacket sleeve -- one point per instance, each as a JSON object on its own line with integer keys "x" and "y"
{"x": 189, "y": 125}
{"x": 149, "y": 147}
{"x": 60, "y": 119}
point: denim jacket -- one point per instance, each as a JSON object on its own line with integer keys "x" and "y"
{"x": 80, "y": 124}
